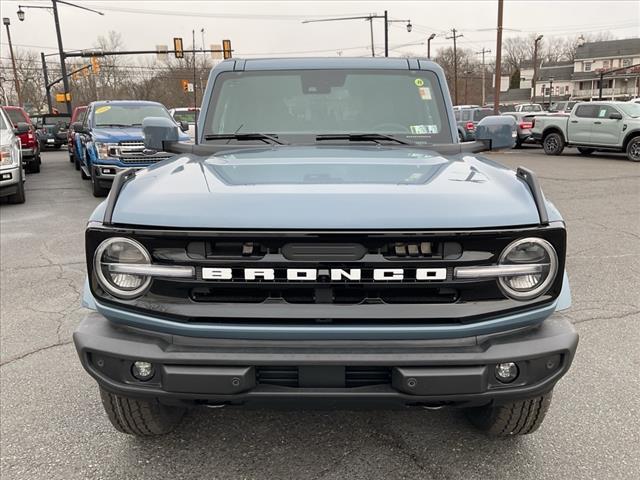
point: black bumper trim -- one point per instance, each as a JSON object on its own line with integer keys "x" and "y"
{"x": 222, "y": 371}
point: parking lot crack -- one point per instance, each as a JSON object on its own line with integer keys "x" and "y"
{"x": 33, "y": 352}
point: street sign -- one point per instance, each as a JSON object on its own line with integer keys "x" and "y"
{"x": 226, "y": 47}
{"x": 216, "y": 55}
{"x": 177, "y": 46}
{"x": 60, "y": 97}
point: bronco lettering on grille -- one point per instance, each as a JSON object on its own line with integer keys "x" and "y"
{"x": 334, "y": 274}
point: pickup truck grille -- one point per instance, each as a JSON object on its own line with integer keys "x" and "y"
{"x": 274, "y": 296}
{"x": 134, "y": 152}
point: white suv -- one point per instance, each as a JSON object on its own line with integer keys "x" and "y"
{"x": 11, "y": 172}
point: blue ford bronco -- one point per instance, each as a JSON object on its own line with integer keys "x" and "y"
{"x": 110, "y": 140}
{"x": 326, "y": 241}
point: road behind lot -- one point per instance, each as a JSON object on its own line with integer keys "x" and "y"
{"x": 53, "y": 426}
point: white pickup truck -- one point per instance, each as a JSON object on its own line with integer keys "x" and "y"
{"x": 592, "y": 126}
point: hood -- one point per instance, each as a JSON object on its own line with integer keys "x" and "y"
{"x": 327, "y": 188}
{"x": 117, "y": 134}
{"x": 6, "y": 137}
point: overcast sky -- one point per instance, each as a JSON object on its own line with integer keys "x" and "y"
{"x": 265, "y": 28}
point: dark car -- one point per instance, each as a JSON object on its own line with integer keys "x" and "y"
{"x": 28, "y": 141}
{"x": 51, "y": 130}
{"x": 467, "y": 119}
{"x": 77, "y": 116}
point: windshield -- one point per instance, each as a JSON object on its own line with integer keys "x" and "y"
{"x": 188, "y": 116}
{"x": 57, "y": 119}
{"x": 15, "y": 115}
{"x": 313, "y": 102}
{"x": 531, "y": 108}
{"x": 631, "y": 109}
{"x": 126, "y": 115}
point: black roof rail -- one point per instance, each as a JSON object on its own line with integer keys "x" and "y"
{"x": 532, "y": 181}
{"x": 118, "y": 182}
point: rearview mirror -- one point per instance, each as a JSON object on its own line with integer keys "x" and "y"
{"x": 78, "y": 127}
{"x": 22, "y": 127}
{"x": 615, "y": 116}
{"x": 497, "y": 132}
{"x": 157, "y": 131}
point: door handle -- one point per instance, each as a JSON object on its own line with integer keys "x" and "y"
{"x": 597, "y": 123}
{"x": 574, "y": 121}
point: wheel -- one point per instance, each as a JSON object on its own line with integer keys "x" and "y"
{"x": 83, "y": 175}
{"x": 633, "y": 149}
{"x": 33, "y": 166}
{"x": 553, "y": 144}
{"x": 76, "y": 162}
{"x": 19, "y": 196}
{"x": 460, "y": 137}
{"x": 516, "y": 418}
{"x": 518, "y": 143}
{"x": 586, "y": 151}
{"x": 143, "y": 418}
{"x": 97, "y": 190}
{"x": 71, "y": 159}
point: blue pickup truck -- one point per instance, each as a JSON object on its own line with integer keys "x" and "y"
{"x": 328, "y": 241}
{"x": 110, "y": 140}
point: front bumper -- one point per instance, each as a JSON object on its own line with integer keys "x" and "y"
{"x": 456, "y": 372}
{"x": 9, "y": 179}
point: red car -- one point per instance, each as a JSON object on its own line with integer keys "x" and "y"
{"x": 28, "y": 140}
{"x": 77, "y": 116}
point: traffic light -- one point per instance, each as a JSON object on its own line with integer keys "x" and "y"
{"x": 226, "y": 49}
{"x": 95, "y": 65}
{"x": 185, "y": 85}
{"x": 177, "y": 47}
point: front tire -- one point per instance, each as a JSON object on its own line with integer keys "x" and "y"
{"x": 143, "y": 418}
{"x": 516, "y": 418}
{"x": 19, "y": 196}
{"x": 553, "y": 144}
{"x": 96, "y": 189}
{"x": 33, "y": 166}
{"x": 633, "y": 149}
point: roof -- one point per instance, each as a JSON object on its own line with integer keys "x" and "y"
{"x": 558, "y": 72}
{"x": 513, "y": 95}
{"x": 303, "y": 63}
{"x": 124, "y": 102}
{"x": 611, "y": 48}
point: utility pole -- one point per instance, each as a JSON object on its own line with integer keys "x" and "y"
{"x": 386, "y": 34}
{"x": 195, "y": 89}
{"x": 455, "y": 36}
{"x": 7, "y": 22}
{"x": 535, "y": 67}
{"x": 46, "y": 82}
{"x": 482, "y": 52}
{"x": 496, "y": 93}
{"x": 63, "y": 67}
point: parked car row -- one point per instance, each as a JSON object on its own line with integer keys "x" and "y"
{"x": 107, "y": 138}
{"x": 12, "y": 175}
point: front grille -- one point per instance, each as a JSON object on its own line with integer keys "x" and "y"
{"x": 354, "y": 376}
{"x": 133, "y": 151}
{"x": 323, "y": 299}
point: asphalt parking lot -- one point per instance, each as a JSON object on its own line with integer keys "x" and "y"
{"x": 53, "y": 426}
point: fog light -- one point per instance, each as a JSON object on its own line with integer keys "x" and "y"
{"x": 142, "y": 370}
{"x": 506, "y": 372}
{"x": 6, "y": 176}
{"x": 109, "y": 171}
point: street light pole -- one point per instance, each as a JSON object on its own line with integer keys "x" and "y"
{"x": 535, "y": 67}
{"x": 550, "y": 90}
{"x": 498, "y": 73}
{"x": 483, "y": 52}
{"x": 431, "y": 37}
{"x": 47, "y": 88}
{"x": 7, "y": 22}
{"x": 63, "y": 68}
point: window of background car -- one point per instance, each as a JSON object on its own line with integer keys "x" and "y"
{"x": 466, "y": 115}
{"x": 587, "y": 111}
{"x": 631, "y": 109}
{"x": 188, "y": 116}
{"x": 16, "y": 116}
{"x": 305, "y": 102}
{"x": 480, "y": 114}
{"x": 57, "y": 120}
{"x": 126, "y": 115}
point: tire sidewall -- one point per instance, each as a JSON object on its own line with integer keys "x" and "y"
{"x": 553, "y": 144}
{"x": 634, "y": 144}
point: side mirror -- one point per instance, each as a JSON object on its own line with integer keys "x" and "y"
{"x": 615, "y": 116}
{"x": 78, "y": 127}
{"x": 157, "y": 131}
{"x": 497, "y": 132}
{"x": 22, "y": 127}
{"x": 184, "y": 126}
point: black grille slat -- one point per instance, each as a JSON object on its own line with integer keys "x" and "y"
{"x": 354, "y": 376}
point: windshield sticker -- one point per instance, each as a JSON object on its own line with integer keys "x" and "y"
{"x": 423, "y": 129}
{"x": 419, "y": 82}
{"x": 425, "y": 93}
{"x": 103, "y": 109}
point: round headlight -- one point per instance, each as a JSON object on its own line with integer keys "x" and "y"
{"x": 529, "y": 251}
{"x": 119, "y": 250}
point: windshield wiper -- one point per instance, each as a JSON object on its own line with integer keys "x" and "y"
{"x": 112, "y": 125}
{"x": 265, "y": 137}
{"x": 360, "y": 137}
